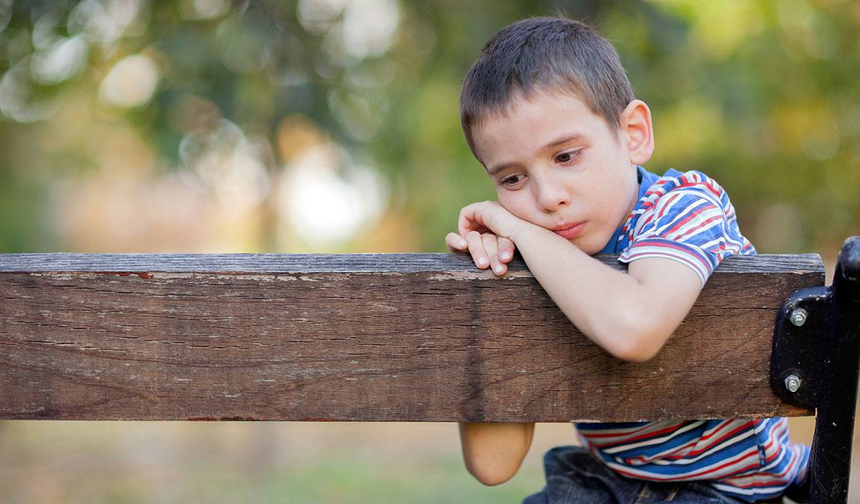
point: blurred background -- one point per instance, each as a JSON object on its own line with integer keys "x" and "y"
{"x": 332, "y": 126}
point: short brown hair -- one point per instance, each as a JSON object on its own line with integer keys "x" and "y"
{"x": 544, "y": 53}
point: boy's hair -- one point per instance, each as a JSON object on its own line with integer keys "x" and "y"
{"x": 544, "y": 53}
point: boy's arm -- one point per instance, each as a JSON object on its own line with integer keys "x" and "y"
{"x": 494, "y": 452}
{"x": 631, "y": 315}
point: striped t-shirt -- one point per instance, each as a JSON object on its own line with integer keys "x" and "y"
{"x": 688, "y": 217}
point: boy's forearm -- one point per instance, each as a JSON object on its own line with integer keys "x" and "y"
{"x": 604, "y": 303}
{"x": 493, "y": 452}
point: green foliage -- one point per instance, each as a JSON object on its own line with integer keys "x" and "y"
{"x": 761, "y": 95}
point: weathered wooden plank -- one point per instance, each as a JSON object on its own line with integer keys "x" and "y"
{"x": 395, "y": 337}
{"x": 330, "y": 263}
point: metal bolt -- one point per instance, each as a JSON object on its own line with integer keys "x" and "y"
{"x": 798, "y": 317}
{"x": 792, "y": 383}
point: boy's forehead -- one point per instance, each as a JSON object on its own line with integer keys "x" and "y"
{"x": 540, "y": 97}
{"x": 539, "y": 116}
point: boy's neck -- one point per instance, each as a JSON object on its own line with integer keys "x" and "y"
{"x": 609, "y": 247}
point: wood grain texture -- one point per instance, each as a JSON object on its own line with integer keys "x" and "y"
{"x": 369, "y": 337}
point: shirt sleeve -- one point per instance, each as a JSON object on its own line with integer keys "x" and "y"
{"x": 691, "y": 222}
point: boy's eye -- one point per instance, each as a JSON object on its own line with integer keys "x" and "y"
{"x": 566, "y": 157}
{"x": 513, "y": 179}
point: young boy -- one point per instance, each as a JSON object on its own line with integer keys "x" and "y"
{"x": 549, "y": 112}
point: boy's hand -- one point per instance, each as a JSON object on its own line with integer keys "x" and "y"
{"x": 483, "y": 227}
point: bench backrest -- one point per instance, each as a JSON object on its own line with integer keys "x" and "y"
{"x": 369, "y": 337}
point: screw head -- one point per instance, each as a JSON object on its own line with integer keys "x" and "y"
{"x": 792, "y": 383}
{"x": 798, "y": 317}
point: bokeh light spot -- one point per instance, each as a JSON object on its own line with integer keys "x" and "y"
{"x": 63, "y": 59}
{"x": 328, "y": 200}
{"x": 130, "y": 83}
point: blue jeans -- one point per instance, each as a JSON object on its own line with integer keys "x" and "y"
{"x": 574, "y": 476}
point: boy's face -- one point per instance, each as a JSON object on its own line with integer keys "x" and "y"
{"x": 557, "y": 165}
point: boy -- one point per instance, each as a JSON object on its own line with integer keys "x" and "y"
{"x": 549, "y": 112}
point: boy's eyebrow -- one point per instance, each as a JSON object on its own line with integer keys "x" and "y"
{"x": 565, "y": 138}
{"x": 568, "y": 137}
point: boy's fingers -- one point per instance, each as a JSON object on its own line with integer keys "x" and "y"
{"x": 506, "y": 250}
{"x": 491, "y": 245}
{"x": 476, "y": 248}
{"x": 466, "y": 221}
{"x": 456, "y": 243}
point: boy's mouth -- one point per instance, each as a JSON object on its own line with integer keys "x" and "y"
{"x": 569, "y": 231}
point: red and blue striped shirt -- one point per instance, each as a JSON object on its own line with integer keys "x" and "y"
{"x": 687, "y": 217}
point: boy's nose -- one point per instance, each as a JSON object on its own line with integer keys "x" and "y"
{"x": 551, "y": 196}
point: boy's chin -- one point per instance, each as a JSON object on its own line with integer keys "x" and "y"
{"x": 591, "y": 244}
{"x": 593, "y": 251}
{"x": 586, "y": 246}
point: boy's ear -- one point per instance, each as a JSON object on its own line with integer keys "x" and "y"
{"x": 638, "y": 132}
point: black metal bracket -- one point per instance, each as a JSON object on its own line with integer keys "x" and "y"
{"x": 797, "y": 352}
{"x": 815, "y": 364}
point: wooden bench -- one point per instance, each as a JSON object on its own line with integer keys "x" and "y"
{"x": 415, "y": 337}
